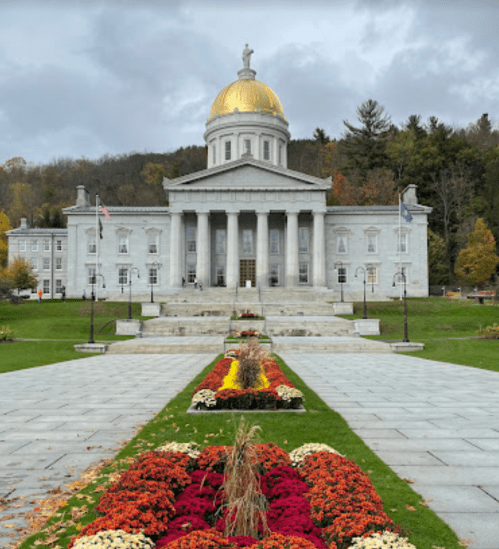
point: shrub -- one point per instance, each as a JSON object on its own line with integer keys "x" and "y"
{"x": 490, "y": 332}
{"x": 6, "y": 334}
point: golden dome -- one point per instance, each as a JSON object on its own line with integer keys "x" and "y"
{"x": 247, "y": 95}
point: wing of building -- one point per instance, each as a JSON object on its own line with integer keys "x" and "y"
{"x": 245, "y": 220}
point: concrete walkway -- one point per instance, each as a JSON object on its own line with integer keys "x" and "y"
{"x": 57, "y": 420}
{"x": 432, "y": 422}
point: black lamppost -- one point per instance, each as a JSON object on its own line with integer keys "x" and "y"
{"x": 92, "y": 299}
{"x": 406, "y": 329}
{"x": 341, "y": 276}
{"x": 154, "y": 265}
{"x": 365, "y": 306}
{"x": 130, "y": 295}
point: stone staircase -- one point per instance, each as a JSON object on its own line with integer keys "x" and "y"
{"x": 296, "y": 319}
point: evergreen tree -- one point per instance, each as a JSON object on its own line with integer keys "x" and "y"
{"x": 365, "y": 146}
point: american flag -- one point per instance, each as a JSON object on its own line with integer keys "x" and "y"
{"x": 103, "y": 209}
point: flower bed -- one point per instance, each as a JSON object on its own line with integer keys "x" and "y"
{"x": 174, "y": 500}
{"x": 280, "y": 393}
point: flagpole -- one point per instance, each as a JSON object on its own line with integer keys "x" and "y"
{"x": 400, "y": 242}
{"x": 97, "y": 238}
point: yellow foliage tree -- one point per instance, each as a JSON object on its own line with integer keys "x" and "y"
{"x": 19, "y": 274}
{"x": 476, "y": 263}
{"x": 4, "y": 227}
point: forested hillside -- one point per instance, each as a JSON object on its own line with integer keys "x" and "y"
{"x": 456, "y": 171}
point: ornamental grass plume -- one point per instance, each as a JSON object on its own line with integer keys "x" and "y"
{"x": 251, "y": 356}
{"x": 245, "y": 503}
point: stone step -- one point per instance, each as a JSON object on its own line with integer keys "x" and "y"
{"x": 305, "y": 326}
{"x": 168, "y": 345}
{"x": 328, "y": 345}
{"x": 285, "y": 308}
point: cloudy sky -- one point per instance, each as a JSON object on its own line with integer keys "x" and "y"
{"x": 85, "y": 78}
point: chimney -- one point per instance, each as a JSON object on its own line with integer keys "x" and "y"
{"x": 24, "y": 223}
{"x": 82, "y": 197}
{"x": 409, "y": 195}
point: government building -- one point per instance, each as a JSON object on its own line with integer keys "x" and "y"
{"x": 246, "y": 220}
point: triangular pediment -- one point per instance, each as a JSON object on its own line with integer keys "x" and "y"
{"x": 246, "y": 175}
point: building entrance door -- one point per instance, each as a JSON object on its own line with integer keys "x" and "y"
{"x": 247, "y": 271}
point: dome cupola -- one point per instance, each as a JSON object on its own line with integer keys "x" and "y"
{"x": 246, "y": 119}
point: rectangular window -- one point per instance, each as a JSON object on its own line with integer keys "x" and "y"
{"x": 402, "y": 243}
{"x": 122, "y": 276}
{"x": 341, "y": 244}
{"x": 191, "y": 274}
{"x": 214, "y": 149}
{"x": 400, "y": 279}
{"x": 280, "y": 155}
{"x": 46, "y": 286}
{"x": 303, "y": 273}
{"x": 342, "y": 275}
{"x": 22, "y": 245}
{"x": 372, "y": 275}
{"x": 123, "y": 244}
{"x": 227, "y": 150}
{"x": 371, "y": 243}
{"x": 247, "y": 241}
{"x": 46, "y": 263}
{"x": 153, "y": 275}
{"x": 91, "y": 275}
{"x": 46, "y": 245}
{"x": 58, "y": 245}
{"x": 274, "y": 275}
{"x": 274, "y": 241}
{"x": 92, "y": 246}
{"x": 34, "y": 263}
{"x": 58, "y": 263}
{"x": 266, "y": 150}
{"x": 220, "y": 241}
{"x": 191, "y": 239}
{"x": 153, "y": 243}
{"x": 58, "y": 286}
{"x": 303, "y": 239}
{"x": 220, "y": 275}
{"x": 34, "y": 245}
{"x": 247, "y": 146}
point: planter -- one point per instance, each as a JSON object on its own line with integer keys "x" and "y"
{"x": 128, "y": 327}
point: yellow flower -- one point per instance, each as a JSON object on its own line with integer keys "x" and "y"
{"x": 230, "y": 380}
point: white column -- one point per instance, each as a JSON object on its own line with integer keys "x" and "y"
{"x": 262, "y": 249}
{"x": 203, "y": 249}
{"x": 319, "y": 251}
{"x": 175, "y": 238}
{"x": 292, "y": 249}
{"x": 232, "y": 250}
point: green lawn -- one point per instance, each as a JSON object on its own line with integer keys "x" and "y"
{"x": 429, "y": 317}
{"x": 288, "y": 430}
{"x": 54, "y": 319}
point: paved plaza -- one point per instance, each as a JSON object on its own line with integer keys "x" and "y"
{"x": 433, "y": 422}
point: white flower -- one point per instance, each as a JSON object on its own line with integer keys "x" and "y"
{"x": 189, "y": 448}
{"x": 114, "y": 539}
{"x": 386, "y": 540}
{"x": 206, "y": 397}
{"x": 299, "y": 454}
{"x": 287, "y": 393}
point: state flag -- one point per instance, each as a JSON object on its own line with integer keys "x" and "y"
{"x": 405, "y": 213}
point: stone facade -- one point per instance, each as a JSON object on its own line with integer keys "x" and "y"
{"x": 247, "y": 220}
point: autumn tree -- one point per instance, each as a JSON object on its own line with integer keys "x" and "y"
{"x": 19, "y": 274}
{"x": 4, "y": 227}
{"x": 378, "y": 189}
{"x": 476, "y": 263}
